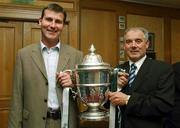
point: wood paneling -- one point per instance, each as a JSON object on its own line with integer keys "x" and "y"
{"x": 72, "y": 30}
{"x": 98, "y": 27}
{"x": 10, "y": 42}
{"x": 32, "y": 33}
{"x": 19, "y": 12}
{"x": 175, "y": 37}
{"x": 3, "y": 118}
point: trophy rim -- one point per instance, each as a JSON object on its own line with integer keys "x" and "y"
{"x": 94, "y": 116}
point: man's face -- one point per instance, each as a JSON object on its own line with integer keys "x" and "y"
{"x": 135, "y": 45}
{"x": 51, "y": 27}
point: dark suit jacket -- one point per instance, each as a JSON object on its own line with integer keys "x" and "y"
{"x": 152, "y": 95}
{"x": 173, "y": 120}
{"x": 30, "y": 87}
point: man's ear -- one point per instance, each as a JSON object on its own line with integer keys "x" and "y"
{"x": 39, "y": 21}
{"x": 147, "y": 44}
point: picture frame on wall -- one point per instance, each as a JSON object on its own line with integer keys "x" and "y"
{"x": 151, "y": 39}
{"x": 122, "y": 19}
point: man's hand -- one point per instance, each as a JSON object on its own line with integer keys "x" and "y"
{"x": 118, "y": 98}
{"x": 122, "y": 79}
{"x": 64, "y": 79}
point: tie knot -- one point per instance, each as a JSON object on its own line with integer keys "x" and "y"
{"x": 133, "y": 66}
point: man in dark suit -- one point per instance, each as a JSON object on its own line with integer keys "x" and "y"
{"x": 173, "y": 120}
{"x": 147, "y": 88}
{"x": 39, "y": 78}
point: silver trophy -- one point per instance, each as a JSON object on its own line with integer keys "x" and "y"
{"x": 93, "y": 80}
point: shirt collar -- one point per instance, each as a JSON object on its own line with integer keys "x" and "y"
{"x": 138, "y": 63}
{"x": 43, "y": 46}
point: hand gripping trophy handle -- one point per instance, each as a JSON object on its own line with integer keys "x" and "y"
{"x": 65, "y": 104}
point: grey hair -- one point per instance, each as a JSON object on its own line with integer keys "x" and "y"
{"x": 145, "y": 31}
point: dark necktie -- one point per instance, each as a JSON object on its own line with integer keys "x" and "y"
{"x": 132, "y": 74}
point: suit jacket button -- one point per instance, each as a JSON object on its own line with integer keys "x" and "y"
{"x": 47, "y": 83}
{"x": 44, "y": 118}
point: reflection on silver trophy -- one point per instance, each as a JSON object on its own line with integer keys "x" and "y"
{"x": 93, "y": 80}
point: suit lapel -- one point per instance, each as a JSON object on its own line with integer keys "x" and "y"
{"x": 126, "y": 67}
{"x": 38, "y": 59}
{"x": 141, "y": 76}
{"x": 63, "y": 58}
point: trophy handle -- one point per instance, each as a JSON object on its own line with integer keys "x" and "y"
{"x": 65, "y": 101}
{"x": 113, "y": 88}
{"x": 73, "y": 79}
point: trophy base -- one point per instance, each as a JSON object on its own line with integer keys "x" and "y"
{"x": 94, "y": 116}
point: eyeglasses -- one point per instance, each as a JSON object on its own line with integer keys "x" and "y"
{"x": 137, "y": 41}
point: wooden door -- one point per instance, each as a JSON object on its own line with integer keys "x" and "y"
{"x": 10, "y": 42}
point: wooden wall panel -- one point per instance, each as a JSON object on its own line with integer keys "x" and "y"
{"x": 98, "y": 27}
{"x": 3, "y": 118}
{"x": 175, "y": 38}
{"x": 10, "y": 42}
{"x": 72, "y": 30}
{"x": 31, "y": 32}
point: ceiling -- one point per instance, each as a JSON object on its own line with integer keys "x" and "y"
{"x": 164, "y": 3}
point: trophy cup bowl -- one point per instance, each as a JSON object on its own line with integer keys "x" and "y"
{"x": 93, "y": 80}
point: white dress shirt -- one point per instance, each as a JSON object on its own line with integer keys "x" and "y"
{"x": 51, "y": 56}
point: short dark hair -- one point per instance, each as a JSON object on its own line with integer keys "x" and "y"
{"x": 56, "y": 8}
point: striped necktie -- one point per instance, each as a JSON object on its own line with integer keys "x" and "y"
{"x": 132, "y": 74}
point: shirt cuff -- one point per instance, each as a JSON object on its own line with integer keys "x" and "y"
{"x": 127, "y": 99}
